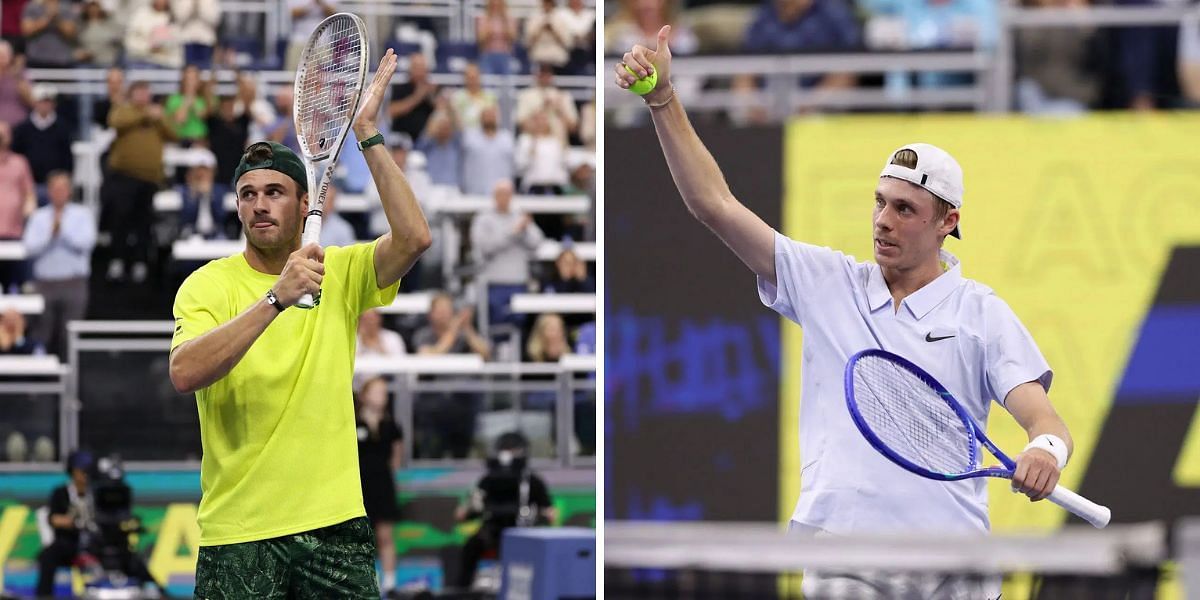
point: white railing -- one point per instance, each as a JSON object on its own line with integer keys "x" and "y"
{"x": 40, "y": 375}
{"x": 410, "y": 375}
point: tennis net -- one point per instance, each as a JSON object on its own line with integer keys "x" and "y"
{"x": 759, "y": 561}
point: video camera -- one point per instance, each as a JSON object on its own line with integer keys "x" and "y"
{"x": 114, "y": 518}
{"x": 508, "y": 501}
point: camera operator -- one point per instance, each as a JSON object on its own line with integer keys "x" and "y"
{"x": 92, "y": 516}
{"x": 508, "y": 495}
{"x": 71, "y": 509}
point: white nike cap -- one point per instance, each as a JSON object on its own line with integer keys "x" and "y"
{"x": 936, "y": 171}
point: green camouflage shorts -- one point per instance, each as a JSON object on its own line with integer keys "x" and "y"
{"x": 331, "y": 562}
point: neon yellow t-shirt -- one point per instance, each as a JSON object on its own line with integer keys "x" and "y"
{"x": 280, "y": 449}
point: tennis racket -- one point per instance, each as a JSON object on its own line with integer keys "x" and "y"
{"x": 910, "y": 418}
{"x": 329, "y": 84}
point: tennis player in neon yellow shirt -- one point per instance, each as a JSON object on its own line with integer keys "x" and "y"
{"x": 282, "y": 513}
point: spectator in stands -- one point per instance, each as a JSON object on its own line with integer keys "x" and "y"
{"x": 135, "y": 172}
{"x": 380, "y": 448}
{"x": 228, "y": 133}
{"x": 803, "y": 25}
{"x": 587, "y": 124}
{"x": 449, "y": 332}
{"x": 283, "y": 130}
{"x": 496, "y": 34}
{"x": 187, "y": 109}
{"x": 13, "y": 339}
{"x": 16, "y": 93}
{"x": 582, "y": 22}
{"x": 306, "y": 15}
{"x": 1146, "y": 61}
{"x": 548, "y": 340}
{"x": 442, "y": 147}
{"x": 45, "y": 138}
{"x": 376, "y": 340}
{"x": 413, "y": 101}
{"x": 99, "y": 36}
{"x": 59, "y": 241}
{"x": 10, "y": 24}
{"x": 202, "y": 211}
{"x": 114, "y": 83}
{"x": 934, "y": 24}
{"x": 638, "y": 22}
{"x": 472, "y": 99}
{"x": 335, "y": 229}
{"x": 570, "y": 275}
{"x": 18, "y": 197}
{"x": 548, "y": 36}
{"x": 152, "y": 38}
{"x": 197, "y": 21}
{"x": 249, "y": 102}
{"x": 51, "y": 29}
{"x": 541, "y": 158}
{"x": 445, "y": 423}
{"x": 504, "y": 242}
{"x": 806, "y": 25}
{"x": 1055, "y": 65}
{"x": 544, "y": 97}
{"x": 487, "y": 154}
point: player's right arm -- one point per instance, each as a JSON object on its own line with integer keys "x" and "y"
{"x": 201, "y": 361}
{"x": 696, "y": 173}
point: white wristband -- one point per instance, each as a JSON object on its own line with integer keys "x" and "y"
{"x": 1052, "y": 444}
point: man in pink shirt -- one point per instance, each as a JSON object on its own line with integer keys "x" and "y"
{"x": 17, "y": 196}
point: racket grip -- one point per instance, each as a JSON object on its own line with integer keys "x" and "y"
{"x": 1089, "y": 511}
{"x": 311, "y": 235}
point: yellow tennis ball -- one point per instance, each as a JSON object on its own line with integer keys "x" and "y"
{"x": 644, "y": 85}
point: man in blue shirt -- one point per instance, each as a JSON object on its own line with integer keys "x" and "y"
{"x": 806, "y": 25}
{"x": 58, "y": 240}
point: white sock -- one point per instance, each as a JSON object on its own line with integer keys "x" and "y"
{"x": 389, "y": 580}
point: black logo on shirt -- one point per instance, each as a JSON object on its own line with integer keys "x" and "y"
{"x": 929, "y": 337}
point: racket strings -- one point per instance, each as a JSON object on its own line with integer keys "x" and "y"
{"x": 911, "y": 418}
{"x": 330, "y": 81}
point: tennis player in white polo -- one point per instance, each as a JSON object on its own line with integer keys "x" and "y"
{"x": 914, "y": 301}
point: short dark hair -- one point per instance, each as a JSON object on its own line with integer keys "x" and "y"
{"x": 259, "y": 152}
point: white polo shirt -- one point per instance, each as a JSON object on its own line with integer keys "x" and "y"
{"x": 956, "y": 329}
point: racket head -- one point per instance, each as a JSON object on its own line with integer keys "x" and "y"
{"x": 912, "y": 419}
{"x": 330, "y": 79}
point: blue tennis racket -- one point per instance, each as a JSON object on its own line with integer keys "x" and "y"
{"x": 913, "y": 420}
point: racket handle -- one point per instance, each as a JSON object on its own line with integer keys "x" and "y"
{"x": 311, "y": 235}
{"x": 1086, "y": 509}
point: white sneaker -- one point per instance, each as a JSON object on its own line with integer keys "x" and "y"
{"x": 116, "y": 269}
{"x": 139, "y": 272}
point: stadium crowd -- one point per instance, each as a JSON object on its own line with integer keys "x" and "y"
{"x": 482, "y": 135}
{"x": 1059, "y": 70}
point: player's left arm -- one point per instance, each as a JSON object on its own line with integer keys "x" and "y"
{"x": 1037, "y": 469}
{"x": 400, "y": 248}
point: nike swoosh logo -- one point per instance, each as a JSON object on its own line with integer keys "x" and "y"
{"x": 929, "y": 337}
